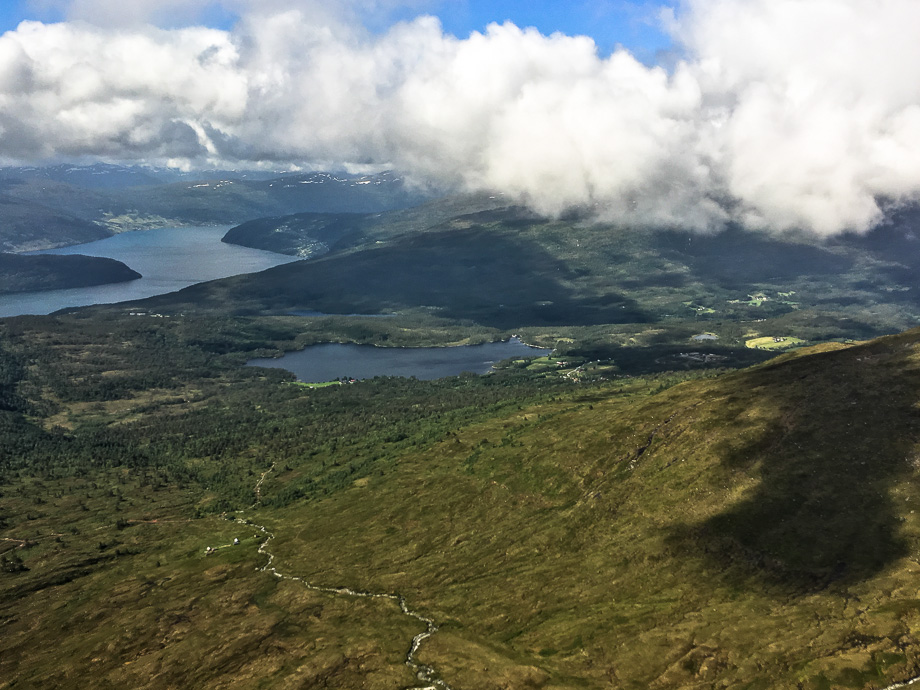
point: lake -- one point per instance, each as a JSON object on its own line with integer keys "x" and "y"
{"x": 169, "y": 259}
{"x": 330, "y": 361}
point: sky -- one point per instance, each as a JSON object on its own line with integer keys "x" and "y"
{"x": 611, "y": 23}
{"x": 778, "y": 114}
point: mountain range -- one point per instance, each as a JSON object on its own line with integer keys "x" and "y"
{"x": 46, "y": 207}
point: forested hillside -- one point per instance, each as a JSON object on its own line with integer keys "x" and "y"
{"x": 49, "y": 272}
{"x": 27, "y": 225}
{"x": 507, "y": 268}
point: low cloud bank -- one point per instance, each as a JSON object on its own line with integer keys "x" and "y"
{"x": 783, "y": 114}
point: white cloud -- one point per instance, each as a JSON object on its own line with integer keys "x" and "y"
{"x": 819, "y": 102}
{"x": 73, "y": 90}
{"x": 783, "y": 114}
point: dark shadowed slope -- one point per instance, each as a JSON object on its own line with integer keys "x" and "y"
{"x": 50, "y": 272}
{"x": 495, "y": 279}
{"x": 313, "y": 234}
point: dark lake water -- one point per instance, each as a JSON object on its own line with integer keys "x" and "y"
{"x": 168, "y": 258}
{"x": 330, "y": 361}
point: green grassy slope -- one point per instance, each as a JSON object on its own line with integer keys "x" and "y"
{"x": 121, "y": 594}
{"x": 121, "y": 441}
{"x": 755, "y": 529}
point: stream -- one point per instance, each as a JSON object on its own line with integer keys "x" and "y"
{"x": 905, "y": 684}
{"x": 426, "y": 675}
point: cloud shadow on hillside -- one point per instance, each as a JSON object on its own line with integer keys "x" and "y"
{"x": 843, "y": 435}
{"x": 737, "y": 259}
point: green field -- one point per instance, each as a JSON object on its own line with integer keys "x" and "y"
{"x": 324, "y": 384}
{"x": 774, "y": 342}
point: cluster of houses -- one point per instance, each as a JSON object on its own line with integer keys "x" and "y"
{"x": 703, "y": 357}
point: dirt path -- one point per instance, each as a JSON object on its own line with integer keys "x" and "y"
{"x": 23, "y": 543}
